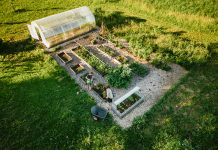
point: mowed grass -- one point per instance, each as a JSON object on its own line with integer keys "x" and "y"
{"x": 40, "y": 107}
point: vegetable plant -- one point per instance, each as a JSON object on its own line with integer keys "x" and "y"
{"x": 93, "y": 61}
{"x": 100, "y": 89}
{"x": 139, "y": 69}
{"x": 120, "y": 77}
{"x": 161, "y": 64}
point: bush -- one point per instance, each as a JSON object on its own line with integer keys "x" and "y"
{"x": 139, "y": 69}
{"x": 120, "y": 77}
{"x": 161, "y": 64}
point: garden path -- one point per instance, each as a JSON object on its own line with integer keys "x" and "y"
{"x": 153, "y": 86}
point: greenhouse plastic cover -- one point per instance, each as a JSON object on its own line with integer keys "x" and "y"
{"x": 61, "y": 27}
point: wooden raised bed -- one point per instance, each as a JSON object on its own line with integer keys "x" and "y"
{"x": 122, "y": 59}
{"x": 127, "y": 102}
{"x": 92, "y": 60}
{"x": 78, "y": 68}
{"x": 109, "y": 51}
{"x": 64, "y": 57}
{"x": 98, "y": 40}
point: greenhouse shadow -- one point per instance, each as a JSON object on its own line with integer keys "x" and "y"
{"x": 12, "y": 23}
{"x": 49, "y": 112}
{"x": 26, "y": 10}
{"x": 12, "y": 47}
{"x": 116, "y": 19}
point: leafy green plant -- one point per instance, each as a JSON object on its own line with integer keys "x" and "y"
{"x": 58, "y": 48}
{"x": 161, "y": 64}
{"x": 120, "y": 77}
{"x": 108, "y": 51}
{"x": 122, "y": 59}
{"x": 93, "y": 61}
{"x": 100, "y": 89}
{"x": 139, "y": 69}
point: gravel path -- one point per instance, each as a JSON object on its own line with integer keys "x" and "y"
{"x": 153, "y": 86}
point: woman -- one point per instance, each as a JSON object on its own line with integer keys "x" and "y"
{"x": 109, "y": 93}
{"x": 89, "y": 80}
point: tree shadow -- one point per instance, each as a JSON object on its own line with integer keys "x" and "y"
{"x": 22, "y": 10}
{"x": 175, "y": 33}
{"x": 47, "y": 111}
{"x": 115, "y": 19}
{"x": 12, "y": 23}
{"x": 8, "y": 47}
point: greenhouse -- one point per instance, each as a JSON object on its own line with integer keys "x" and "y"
{"x": 64, "y": 26}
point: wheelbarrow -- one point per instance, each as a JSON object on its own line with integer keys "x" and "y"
{"x": 98, "y": 113}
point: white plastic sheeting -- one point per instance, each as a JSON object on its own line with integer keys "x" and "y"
{"x": 58, "y": 28}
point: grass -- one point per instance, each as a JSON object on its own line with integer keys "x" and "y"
{"x": 39, "y": 105}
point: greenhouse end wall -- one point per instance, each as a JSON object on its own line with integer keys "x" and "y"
{"x": 64, "y": 26}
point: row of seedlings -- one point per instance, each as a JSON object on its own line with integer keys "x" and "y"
{"x": 114, "y": 54}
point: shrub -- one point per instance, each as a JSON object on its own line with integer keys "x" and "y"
{"x": 58, "y": 48}
{"x": 139, "y": 69}
{"x": 122, "y": 59}
{"x": 161, "y": 64}
{"x": 120, "y": 77}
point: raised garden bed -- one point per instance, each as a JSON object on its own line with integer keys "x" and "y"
{"x": 77, "y": 68}
{"x": 122, "y": 59}
{"x": 86, "y": 40}
{"x": 65, "y": 58}
{"x": 128, "y": 102}
{"x": 83, "y": 77}
{"x": 108, "y": 51}
{"x": 97, "y": 64}
{"x": 98, "y": 40}
{"x": 100, "y": 90}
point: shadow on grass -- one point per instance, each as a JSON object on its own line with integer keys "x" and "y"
{"x": 47, "y": 113}
{"x": 115, "y": 19}
{"x": 13, "y": 23}
{"x": 8, "y": 47}
{"x": 23, "y": 10}
{"x": 176, "y": 33}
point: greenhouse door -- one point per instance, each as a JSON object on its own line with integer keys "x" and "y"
{"x": 33, "y": 32}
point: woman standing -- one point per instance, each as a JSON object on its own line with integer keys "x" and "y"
{"x": 109, "y": 93}
{"x": 89, "y": 80}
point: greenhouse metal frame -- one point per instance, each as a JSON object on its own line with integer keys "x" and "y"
{"x": 62, "y": 27}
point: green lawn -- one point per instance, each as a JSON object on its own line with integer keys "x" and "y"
{"x": 39, "y": 104}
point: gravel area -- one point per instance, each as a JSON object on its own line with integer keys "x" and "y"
{"x": 153, "y": 86}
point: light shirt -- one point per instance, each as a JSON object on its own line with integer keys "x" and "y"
{"x": 109, "y": 93}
